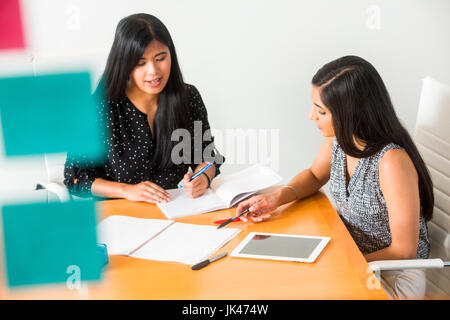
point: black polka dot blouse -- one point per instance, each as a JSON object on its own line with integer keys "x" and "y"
{"x": 131, "y": 148}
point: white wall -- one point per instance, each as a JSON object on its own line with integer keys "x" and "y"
{"x": 253, "y": 60}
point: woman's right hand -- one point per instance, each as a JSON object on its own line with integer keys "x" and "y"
{"x": 145, "y": 191}
{"x": 260, "y": 207}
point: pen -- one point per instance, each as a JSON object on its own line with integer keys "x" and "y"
{"x": 209, "y": 164}
{"x": 208, "y": 261}
{"x": 231, "y": 219}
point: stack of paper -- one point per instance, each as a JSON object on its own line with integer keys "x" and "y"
{"x": 162, "y": 240}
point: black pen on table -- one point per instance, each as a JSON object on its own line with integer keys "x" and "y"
{"x": 208, "y": 261}
{"x": 234, "y": 218}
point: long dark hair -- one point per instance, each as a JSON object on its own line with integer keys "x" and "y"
{"x": 133, "y": 34}
{"x": 361, "y": 108}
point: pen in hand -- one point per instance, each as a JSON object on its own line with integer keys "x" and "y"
{"x": 209, "y": 164}
{"x": 232, "y": 219}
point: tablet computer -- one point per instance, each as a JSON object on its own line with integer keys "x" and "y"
{"x": 283, "y": 247}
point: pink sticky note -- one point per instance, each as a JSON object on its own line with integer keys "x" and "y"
{"x": 11, "y": 28}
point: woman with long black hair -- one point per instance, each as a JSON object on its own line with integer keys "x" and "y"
{"x": 380, "y": 184}
{"x": 146, "y": 101}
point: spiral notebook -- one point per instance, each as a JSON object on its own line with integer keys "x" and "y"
{"x": 225, "y": 192}
{"x": 163, "y": 240}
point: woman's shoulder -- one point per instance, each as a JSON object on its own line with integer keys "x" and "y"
{"x": 397, "y": 176}
{"x": 195, "y": 101}
{"x": 391, "y": 154}
{"x": 391, "y": 146}
{"x": 192, "y": 92}
{"x": 100, "y": 105}
{"x": 106, "y": 105}
{"x": 395, "y": 160}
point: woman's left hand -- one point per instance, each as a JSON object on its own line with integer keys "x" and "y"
{"x": 196, "y": 187}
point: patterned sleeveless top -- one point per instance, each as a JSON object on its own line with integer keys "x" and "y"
{"x": 361, "y": 204}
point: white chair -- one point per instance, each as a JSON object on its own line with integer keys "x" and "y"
{"x": 432, "y": 137}
{"x": 91, "y": 60}
{"x": 54, "y": 164}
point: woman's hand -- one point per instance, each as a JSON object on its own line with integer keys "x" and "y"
{"x": 196, "y": 187}
{"x": 260, "y": 207}
{"x": 145, "y": 191}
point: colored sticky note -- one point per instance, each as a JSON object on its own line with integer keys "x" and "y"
{"x": 51, "y": 114}
{"x": 51, "y": 243}
{"x": 11, "y": 28}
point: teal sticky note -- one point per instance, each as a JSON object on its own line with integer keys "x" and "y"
{"x": 50, "y": 243}
{"x": 51, "y": 114}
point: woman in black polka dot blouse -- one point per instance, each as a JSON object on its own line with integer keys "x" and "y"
{"x": 147, "y": 105}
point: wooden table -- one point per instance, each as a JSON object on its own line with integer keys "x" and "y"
{"x": 340, "y": 271}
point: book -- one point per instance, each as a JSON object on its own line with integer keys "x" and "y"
{"x": 224, "y": 192}
{"x": 163, "y": 240}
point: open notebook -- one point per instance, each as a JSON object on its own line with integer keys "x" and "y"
{"x": 162, "y": 240}
{"x": 225, "y": 192}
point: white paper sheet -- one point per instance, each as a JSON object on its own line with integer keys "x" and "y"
{"x": 186, "y": 243}
{"x": 181, "y": 205}
{"x": 122, "y": 234}
{"x": 224, "y": 193}
{"x": 233, "y": 188}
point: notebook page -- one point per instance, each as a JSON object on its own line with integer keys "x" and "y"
{"x": 181, "y": 205}
{"x": 248, "y": 181}
{"x": 186, "y": 243}
{"x": 123, "y": 234}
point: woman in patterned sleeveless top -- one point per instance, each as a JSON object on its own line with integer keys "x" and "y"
{"x": 380, "y": 184}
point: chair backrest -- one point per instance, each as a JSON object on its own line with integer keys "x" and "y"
{"x": 432, "y": 137}
{"x": 54, "y": 164}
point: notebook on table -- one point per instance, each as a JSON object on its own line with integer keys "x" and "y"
{"x": 224, "y": 192}
{"x": 163, "y": 240}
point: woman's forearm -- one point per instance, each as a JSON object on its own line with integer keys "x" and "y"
{"x": 390, "y": 253}
{"x": 107, "y": 189}
{"x": 305, "y": 184}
